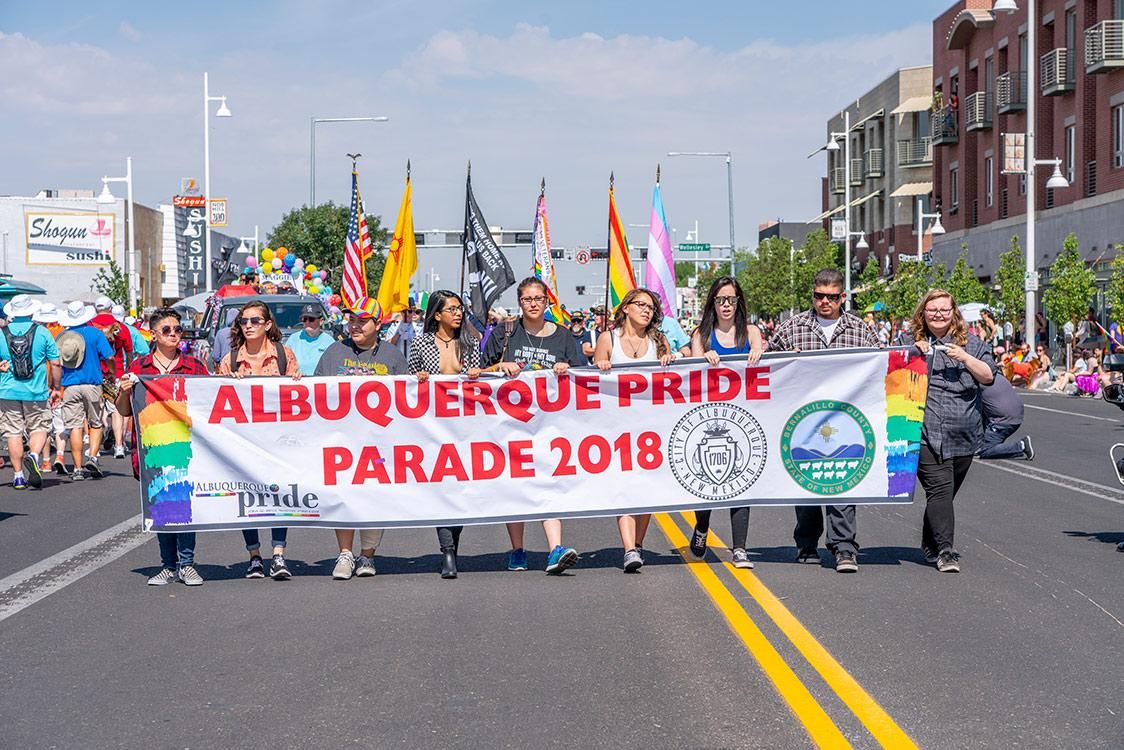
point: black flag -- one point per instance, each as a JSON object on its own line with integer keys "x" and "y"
{"x": 489, "y": 273}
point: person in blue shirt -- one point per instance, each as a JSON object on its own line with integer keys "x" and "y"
{"x": 26, "y": 397}
{"x": 81, "y": 349}
{"x": 310, "y": 342}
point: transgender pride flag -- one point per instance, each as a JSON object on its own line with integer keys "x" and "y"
{"x": 659, "y": 275}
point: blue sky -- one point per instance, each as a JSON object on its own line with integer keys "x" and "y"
{"x": 566, "y": 91}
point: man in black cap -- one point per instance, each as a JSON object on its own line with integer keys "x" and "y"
{"x": 310, "y": 342}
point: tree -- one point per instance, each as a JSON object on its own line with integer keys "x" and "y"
{"x": 767, "y": 277}
{"x": 112, "y": 283}
{"x": 1011, "y": 280}
{"x": 906, "y": 289}
{"x": 963, "y": 285}
{"x": 871, "y": 288}
{"x": 318, "y": 234}
{"x": 1072, "y": 284}
{"x": 1114, "y": 293}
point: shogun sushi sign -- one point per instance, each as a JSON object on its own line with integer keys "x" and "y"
{"x": 70, "y": 239}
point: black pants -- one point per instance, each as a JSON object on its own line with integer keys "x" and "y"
{"x": 739, "y": 525}
{"x": 941, "y": 479}
{"x": 994, "y": 445}
{"x": 841, "y": 527}
{"x": 449, "y": 537}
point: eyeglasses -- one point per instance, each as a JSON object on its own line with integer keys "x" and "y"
{"x": 827, "y": 295}
{"x": 938, "y": 313}
{"x": 169, "y": 330}
{"x": 458, "y": 310}
{"x": 254, "y": 321}
{"x": 730, "y": 300}
{"x": 533, "y": 300}
{"x": 644, "y": 306}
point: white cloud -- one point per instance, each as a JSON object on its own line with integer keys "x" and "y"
{"x": 127, "y": 30}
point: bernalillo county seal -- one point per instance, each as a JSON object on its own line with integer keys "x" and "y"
{"x": 717, "y": 451}
{"x": 827, "y": 447}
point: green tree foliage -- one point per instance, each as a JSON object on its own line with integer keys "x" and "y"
{"x": 112, "y": 283}
{"x": 317, "y": 235}
{"x": 1011, "y": 279}
{"x": 1114, "y": 294}
{"x": 779, "y": 277}
{"x": 912, "y": 280}
{"x": 963, "y": 285}
{"x": 870, "y": 287}
{"x": 1071, "y": 284}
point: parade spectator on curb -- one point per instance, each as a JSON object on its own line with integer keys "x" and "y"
{"x": 959, "y": 365}
{"x": 989, "y": 329}
{"x": 29, "y": 387}
{"x": 311, "y": 341}
{"x": 1089, "y": 382}
{"x": 256, "y": 349}
{"x": 1069, "y": 376}
{"x": 825, "y": 326}
{"x": 84, "y": 352}
{"x": 446, "y": 347}
{"x": 361, "y": 353}
{"x": 1002, "y": 417}
{"x": 635, "y": 337}
{"x": 533, "y": 344}
{"x": 177, "y": 550}
{"x": 725, "y": 329}
{"x": 1041, "y": 379}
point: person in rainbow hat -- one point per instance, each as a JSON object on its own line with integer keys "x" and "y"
{"x": 363, "y": 354}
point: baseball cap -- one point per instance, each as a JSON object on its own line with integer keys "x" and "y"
{"x": 103, "y": 303}
{"x": 312, "y": 311}
{"x": 366, "y": 307}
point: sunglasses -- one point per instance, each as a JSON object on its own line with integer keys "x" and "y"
{"x": 309, "y": 319}
{"x": 723, "y": 300}
{"x": 169, "y": 330}
{"x": 827, "y": 295}
{"x": 254, "y": 321}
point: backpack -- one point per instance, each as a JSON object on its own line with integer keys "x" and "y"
{"x": 20, "y": 351}
{"x": 282, "y": 363}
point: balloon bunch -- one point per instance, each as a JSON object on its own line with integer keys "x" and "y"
{"x": 284, "y": 260}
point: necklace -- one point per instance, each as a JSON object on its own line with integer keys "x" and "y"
{"x": 446, "y": 342}
{"x": 164, "y": 368}
{"x": 540, "y": 335}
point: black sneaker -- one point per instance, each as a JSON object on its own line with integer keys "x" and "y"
{"x": 948, "y": 561}
{"x": 698, "y": 544}
{"x": 92, "y": 469}
{"x": 256, "y": 569}
{"x": 1120, "y": 547}
{"x": 930, "y": 555}
{"x": 60, "y": 469}
{"x": 31, "y": 470}
{"x": 1028, "y": 449}
{"x": 808, "y": 556}
{"x": 278, "y": 570}
{"x": 845, "y": 562}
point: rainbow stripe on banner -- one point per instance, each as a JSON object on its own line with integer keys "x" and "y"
{"x": 907, "y": 383}
{"x": 621, "y": 279}
{"x": 165, "y": 435}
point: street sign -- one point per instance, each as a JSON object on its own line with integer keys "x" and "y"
{"x": 189, "y": 186}
{"x": 1014, "y": 153}
{"x": 1030, "y": 281}
{"x": 694, "y": 247}
{"x": 581, "y": 256}
{"x": 218, "y": 212}
{"x": 838, "y": 229}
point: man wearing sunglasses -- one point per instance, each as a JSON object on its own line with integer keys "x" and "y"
{"x": 825, "y": 326}
{"x": 311, "y": 341}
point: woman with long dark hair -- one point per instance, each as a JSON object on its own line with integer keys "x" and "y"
{"x": 256, "y": 350}
{"x": 959, "y": 364}
{"x": 724, "y": 328}
{"x": 445, "y": 347}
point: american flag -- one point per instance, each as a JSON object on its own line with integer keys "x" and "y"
{"x": 356, "y": 250}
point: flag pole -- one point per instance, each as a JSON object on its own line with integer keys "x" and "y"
{"x": 609, "y": 252}
{"x": 464, "y": 238}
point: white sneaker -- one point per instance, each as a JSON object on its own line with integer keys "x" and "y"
{"x": 119, "y": 452}
{"x": 163, "y": 578}
{"x": 190, "y": 576}
{"x": 345, "y": 566}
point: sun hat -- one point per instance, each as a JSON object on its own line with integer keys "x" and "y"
{"x": 366, "y": 307}
{"x": 103, "y": 303}
{"x": 72, "y": 348}
{"x": 48, "y": 313}
{"x": 118, "y": 313}
{"x": 21, "y": 306}
{"x": 76, "y": 313}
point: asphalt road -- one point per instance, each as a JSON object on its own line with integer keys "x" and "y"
{"x": 1023, "y": 649}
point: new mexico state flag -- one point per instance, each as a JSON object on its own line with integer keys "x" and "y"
{"x": 401, "y": 261}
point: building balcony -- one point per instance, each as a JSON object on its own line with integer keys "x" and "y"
{"x": 1104, "y": 47}
{"x": 856, "y": 172}
{"x": 977, "y": 111}
{"x": 1010, "y": 92}
{"x": 1058, "y": 74}
{"x": 944, "y": 127}
{"x": 873, "y": 163}
{"x": 915, "y": 152}
{"x": 838, "y": 181}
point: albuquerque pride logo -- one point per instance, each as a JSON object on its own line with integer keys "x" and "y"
{"x": 827, "y": 447}
{"x": 717, "y": 451}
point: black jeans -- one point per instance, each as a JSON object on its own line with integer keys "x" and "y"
{"x": 941, "y": 479}
{"x": 993, "y": 442}
{"x": 841, "y": 527}
{"x": 739, "y": 525}
{"x": 449, "y": 537}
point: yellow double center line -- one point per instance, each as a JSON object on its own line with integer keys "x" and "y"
{"x": 800, "y": 700}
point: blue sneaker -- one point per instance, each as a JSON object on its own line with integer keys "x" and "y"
{"x": 517, "y": 559}
{"x": 560, "y": 559}
{"x": 19, "y": 483}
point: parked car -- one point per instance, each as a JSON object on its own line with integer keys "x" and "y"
{"x": 286, "y": 309}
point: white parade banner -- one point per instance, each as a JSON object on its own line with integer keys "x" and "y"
{"x": 793, "y": 429}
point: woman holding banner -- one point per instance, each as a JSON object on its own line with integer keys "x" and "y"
{"x": 256, "y": 350}
{"x": 635, "y": 337}
{"x": 959, "y": 363}
{"x": 724, "y": 328}
{"x": 445, "y": 347}
{"x": 534, "y": 343}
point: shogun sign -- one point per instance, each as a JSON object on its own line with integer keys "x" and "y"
{"x": 793, "y": 429}
{"x": 66, "y": 239}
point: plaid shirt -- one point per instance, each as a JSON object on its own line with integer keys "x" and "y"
{"x": 804, "y": 333}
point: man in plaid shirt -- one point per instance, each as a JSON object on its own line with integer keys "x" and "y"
{"x": 825, "y": 326}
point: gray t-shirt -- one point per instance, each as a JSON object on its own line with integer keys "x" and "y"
{"x": 345, "y": 358}
{"x": 533, "y": 352}
{"x": 1001, "y": 405}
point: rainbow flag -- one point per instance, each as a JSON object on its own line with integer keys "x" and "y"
{"x": 165, "y": 435}
{"x": 620, "y": 280}
{"x": 542, "y": 265}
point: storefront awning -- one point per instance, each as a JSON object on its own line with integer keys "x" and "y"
{"x": 840, "y": 207}
{"x": 912, "y": 188}
{"x": 913, "y": 104}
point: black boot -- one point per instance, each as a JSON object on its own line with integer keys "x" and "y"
{"x": 449, "y": 564}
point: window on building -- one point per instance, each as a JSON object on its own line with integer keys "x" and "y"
{"x": 1024, "y": 53}
{"x": 1118, "y": 136}
{"x": 989, "y": 181}
{"x": 954, "y": 188}
{"x": 1118, "y": 9}
{"x": 1071, "y": 43}
{"x": 989, "y": 74}
{"x": 1022, "y": 184}
{"x": 1070, "y": 153}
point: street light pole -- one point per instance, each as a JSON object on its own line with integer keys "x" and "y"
{"x": 847, "y": 204}
{"x": 937, "y": 228}
{"x": 729, "y": 193}
{"x": 313, "y": 121}
{"x": 1030, "y": 280}
{"x": 106, "y": 198}
{"x": 222, "y": 112}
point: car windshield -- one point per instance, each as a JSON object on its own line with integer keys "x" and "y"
{"x": 287, "y": 314}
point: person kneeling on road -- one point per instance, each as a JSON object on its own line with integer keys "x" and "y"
{"x": 1003, "y": 416}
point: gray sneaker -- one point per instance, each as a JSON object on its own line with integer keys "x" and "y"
{"x": 845, "y": 562}
{"x": 345, "y": 566}
{"x": 77, "y": 475}
{"x": 1028, "y": 448}
{"x": 190, "y": 576}
{"x": 741, "y": 559}
{"x": 163, "y": 578}
{"x": 633, "y": 561}
{"x": 364, "y": 567}
{"x": 948, "y": 561}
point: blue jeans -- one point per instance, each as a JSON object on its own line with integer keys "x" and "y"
{"x": 994, "y": 445}
{"x": 278, "y": 535}
{"x": 178, "y": 547}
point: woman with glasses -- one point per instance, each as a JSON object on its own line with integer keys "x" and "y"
{"x": 177, "y": 550}
{"x": 256, "y": 350}
{"x": 1042, "y": 377}
{"x": 635, "y": 337}
{"x": 724, "y": 328}
{"x": 534, "y": 343}
{"x": 445, "y": 347}
{"x": 959, "y": 364}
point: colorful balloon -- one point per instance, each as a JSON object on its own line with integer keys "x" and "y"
{"x": 289, "y": 260}
{"x": 323, "y": 274}
{"x": 267, "y": 254}
{"x": 276, "y": 263}
{"x": 311, "y": 268}
{"x": 281, "y": 252}
{"x": 252, "y": 262}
